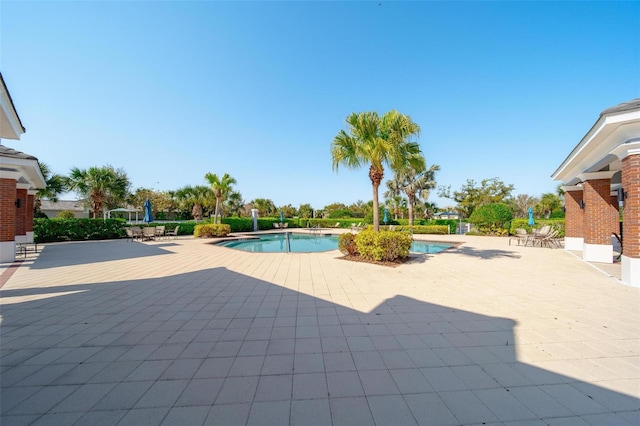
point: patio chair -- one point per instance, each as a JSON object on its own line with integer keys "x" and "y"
{"x": 160, "y": 231}
{"x": 129, "y": 234}
{"x": 137, "y": 232}
{"x": 285, "y": 225}
{"x": 149, "y": 233}
{"x": 174, "y": 233}
{"x": 276, "y": 225}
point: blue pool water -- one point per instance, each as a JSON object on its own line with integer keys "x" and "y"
{"x": 303, "y": 243}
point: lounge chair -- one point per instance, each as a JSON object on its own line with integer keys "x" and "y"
{"x": 285, "y": 225}
{"x": 539, "y": 235}
{"x": 276, "y": 225}
{"x": 337, "y": 225}
{"x": 174, "y": 233}
{"x": 521, "y": 236}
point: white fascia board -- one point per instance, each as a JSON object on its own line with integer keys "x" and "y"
{"x": 23, "y": 167}
{"x": 9, "y": 121}
{"x": 608, "y": 133}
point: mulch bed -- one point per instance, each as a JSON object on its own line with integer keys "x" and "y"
{"x": 393, "y": 264}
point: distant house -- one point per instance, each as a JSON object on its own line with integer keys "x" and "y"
{"x": 446, "y": 215}
{"x": 52, "y": 209}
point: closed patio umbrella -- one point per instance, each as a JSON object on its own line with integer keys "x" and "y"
{"x": 148, "y": 215}
{"x": 281, "y": 216}
{"x": 531, "y": 221}
{"x": 385, "y": 219}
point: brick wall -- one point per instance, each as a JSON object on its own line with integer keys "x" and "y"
{"x": 631, "y": 212}
{"x": 21, "y": 212}
{"x": 7, "y": 210}
{"x": 597, "y": 211}
{"x": 28, "y": 226}
{"x": 615, "y": 214}
{"x": 574, "y": 215}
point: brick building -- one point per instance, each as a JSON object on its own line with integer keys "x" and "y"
{"x": 601, "y": 176}
{"x": 20, "y": 176}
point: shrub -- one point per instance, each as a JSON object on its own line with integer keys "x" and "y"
{"x": 53, "y": 230}
{"x": 425, "y": 229}
{"x": 66, "y": 214}
{"x": 347, "y": 244}
{"x": 209, "y": 230}
{"x": 383, "y": 245}
{"x": 494, "y": 219}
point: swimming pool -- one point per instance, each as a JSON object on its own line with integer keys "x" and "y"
{"x": 285, "y": 242}
{"x": 304, "y": 243}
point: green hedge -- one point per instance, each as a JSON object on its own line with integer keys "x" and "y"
{"x": 425, "y": 229}
{"x": 53, "y": 230}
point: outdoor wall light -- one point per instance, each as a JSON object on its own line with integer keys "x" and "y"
{"x": 18, "y": 203}
{"x": 582, "y": 204}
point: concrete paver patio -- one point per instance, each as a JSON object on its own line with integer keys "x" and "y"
{"x": 184, "y": 332}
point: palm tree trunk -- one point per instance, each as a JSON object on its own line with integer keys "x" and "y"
{"x": 376, "y": 209}
{"x": 411, "y": 201}
{"x": 376, "y": 177}
{"x": 217, "y": 210}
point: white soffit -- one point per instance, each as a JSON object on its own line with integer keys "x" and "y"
{"x": 605, "y": 136}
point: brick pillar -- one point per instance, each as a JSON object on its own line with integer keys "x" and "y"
{"x": 631, "y": 211}
{"x": 7, "y": 209}
{"x": 7, "y": 220}
{"x": 21, "y": 215}
{"x": 615, "y": 214}
{"x": 574, "y": 218}
{"x": 29, "y": 210}
{"x": 597, "y": 217}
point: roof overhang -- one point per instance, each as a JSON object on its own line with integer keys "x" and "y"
{"x": 25, "y": 171}
{"x": 10, "y": 124}
{"x": 599, "y": 150}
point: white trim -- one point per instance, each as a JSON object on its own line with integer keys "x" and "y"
{"x": 602, "y": 253}
{"x": 630, "y": 271}
{"x": 570, "y": 188}
{"x": 607, "y": 134}
{"x": 573, "y": 243}
{"x": 10, "y": 126}
{"x": 7, "y": 251}
{"x": 597, "y": 175}
{"x": 22, "y": 167}
{"x": 627, "y": 149}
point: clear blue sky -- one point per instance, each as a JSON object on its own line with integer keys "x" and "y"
{"x": 169, "y": 91}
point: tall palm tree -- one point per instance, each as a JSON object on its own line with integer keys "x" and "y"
{"x": 99, "y": 185}
{"x": 377, "y": 140}
{"x": 221, "y": 187}
{"x": 417, "y": 184}
{"x": 54, "y": 186}
{"x": 393, "y": 196}
{"x": 196, "y": 196}
{"x": 234, "y": 203}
